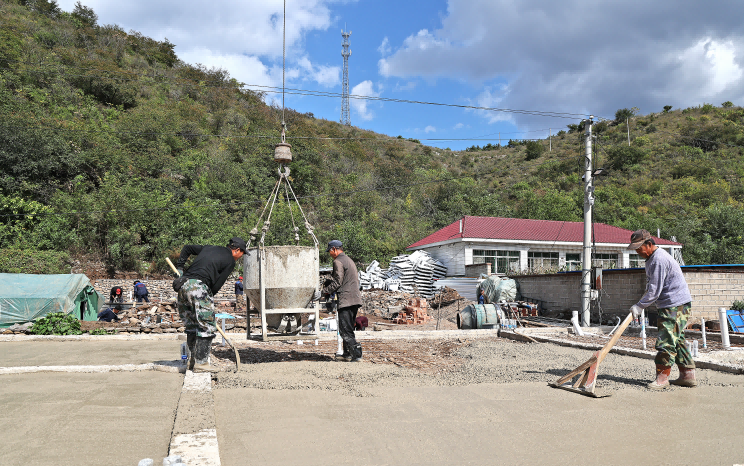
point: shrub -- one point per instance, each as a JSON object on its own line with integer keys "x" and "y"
{"x": 56, "y": 323}
{"x": 728, "y": 104}
{"x": 31, "y": 261}
{"x": 534, "y": 150}
{"x": 624, "y": 114}
{"x": 707, "y": 108}
{"x": 667, "y": 108}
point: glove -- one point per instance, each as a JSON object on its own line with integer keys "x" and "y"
{"x": 636, "y": 310}
{"x": 180, "y": 272}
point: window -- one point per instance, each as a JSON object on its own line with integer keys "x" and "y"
{"x": 501, "y": 261}
{"x": 606, "y": 261}
{"x": 573, "y": 262}
{"x": 542, "y": 261}
{"x": 636, "y": 261}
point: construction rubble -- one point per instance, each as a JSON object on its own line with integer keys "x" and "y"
{"x": 407, "y": 273}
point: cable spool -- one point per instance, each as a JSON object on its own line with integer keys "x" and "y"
{"x": 282, "y": 153}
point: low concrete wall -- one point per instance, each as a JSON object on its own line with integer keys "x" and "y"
{"x": 159, "y": 289}
{"x": 711, "y": 287}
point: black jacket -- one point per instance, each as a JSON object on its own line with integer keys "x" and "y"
{"x": 212, "y": 265}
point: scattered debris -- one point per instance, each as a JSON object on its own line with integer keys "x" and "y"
{"x": 408, "y": 273}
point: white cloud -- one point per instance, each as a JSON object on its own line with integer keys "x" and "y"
{"x": 384, "y": 47}
{"x": 430, "y": 129}
{"x": 578, "y": 57}
{"x": 360, "y": 106}
{"x": 458, "y": 126}
{"x": 241, "y": 36}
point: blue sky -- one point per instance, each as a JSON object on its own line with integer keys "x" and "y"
{"x": 572, "y": 57}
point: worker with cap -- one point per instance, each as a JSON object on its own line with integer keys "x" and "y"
{"x": 116, "y": 295}
{"x": 140, "y": 292}
{"x": 239, "y": 293}
{"x": 344, "y": 282}
{"x": 665, "y": 286}
{"x": 196, "y": 288}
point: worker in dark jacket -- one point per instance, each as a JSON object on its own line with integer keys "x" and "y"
{"x": 239, "y": 300}
{"x": 196, "y": 288}
{"x": 344, "y": 282}
{"x": 109, "y": 314}
{"x": 116, "y": 295}
{"x": 140, "y": 292}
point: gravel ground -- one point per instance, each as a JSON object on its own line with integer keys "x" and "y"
{"x": 451, "y": 362}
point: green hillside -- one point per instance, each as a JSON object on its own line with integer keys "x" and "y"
{"x": 112, "y": 149}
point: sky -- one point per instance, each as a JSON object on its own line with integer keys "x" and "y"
{"x": 556, "y": 63}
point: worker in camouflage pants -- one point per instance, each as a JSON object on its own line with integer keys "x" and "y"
{"x": 196, "y": 308}
{"x": 665, "y": 286}
{"x": 670, "y": 343}
{"x": 196, "y": 288}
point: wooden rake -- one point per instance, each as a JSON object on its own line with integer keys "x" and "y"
{"x": 586, "y": 381}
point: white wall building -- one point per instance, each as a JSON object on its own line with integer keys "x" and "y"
{"x": 513, "y": 244}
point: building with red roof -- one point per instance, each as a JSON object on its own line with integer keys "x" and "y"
{"x": 515, "y": 244}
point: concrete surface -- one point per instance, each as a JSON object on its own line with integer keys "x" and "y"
{"x": 87, "y": 419}
{"x": 87, "y": 353}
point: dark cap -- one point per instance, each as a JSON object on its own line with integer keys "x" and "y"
{"x": 638, "y": 238}
{"x": 334, "y": 244}
{"x": 237, "y": 243}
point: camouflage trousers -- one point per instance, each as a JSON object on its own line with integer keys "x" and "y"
{"x": 196, "y": 308}
{"x": 670, "y": 344}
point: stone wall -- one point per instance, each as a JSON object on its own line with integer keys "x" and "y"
{"x": 159, "y": 289}
{"x": 711, "y": 287}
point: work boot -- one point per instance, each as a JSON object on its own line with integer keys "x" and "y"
{"x": 356, "y": 353}
{"x": 345, "y": 357}
{"x": 686, "y": 378}
{"x": 190, "y": 344}
{"x": 283, "y": 325}
{"x": 201, "y": 355}
{"x": 662, "y": 378}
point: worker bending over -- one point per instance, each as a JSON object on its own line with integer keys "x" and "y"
{"x": 344, "y": 282}
{"x": 196, "y": 288}
{"x": 666, "y": 286}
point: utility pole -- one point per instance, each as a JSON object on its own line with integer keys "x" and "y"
{"x": 586, "y": 267}
{"x": 346, "y": 53}
{"x": 627, "y": 123}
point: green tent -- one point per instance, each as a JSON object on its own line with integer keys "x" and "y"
{"x": 25, "y": 297}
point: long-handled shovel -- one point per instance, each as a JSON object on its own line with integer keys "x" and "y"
{"x": 587, "y": 372}
{"x": 229, "y": 342}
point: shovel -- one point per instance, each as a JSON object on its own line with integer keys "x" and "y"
{"x": 229, "y": 342}
{"x": 587, "y": 372}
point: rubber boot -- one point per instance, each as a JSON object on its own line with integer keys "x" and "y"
{"x": 283, "y": 325}
{"x": 356, "y": 353}
{"x": 345, "y": 357}
{"x": 191, "y": 344}
{"x": 201, "y": 355}
{"x": 686, "y": 378}
{"x": 662, "y": 378}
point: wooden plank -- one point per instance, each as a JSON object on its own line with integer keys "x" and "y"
{"x": 577, "y": 371}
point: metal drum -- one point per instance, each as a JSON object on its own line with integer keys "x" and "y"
{"x": 477, "y": 316}
{"x": 290, "y": 277}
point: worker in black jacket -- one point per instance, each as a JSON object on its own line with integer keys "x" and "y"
{"x": 196, "y": 288}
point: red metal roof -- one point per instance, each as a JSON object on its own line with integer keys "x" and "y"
{"x": 520, "y": 229}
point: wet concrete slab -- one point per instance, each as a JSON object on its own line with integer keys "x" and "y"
{"x": 87, "y": 419}
{"x": 519, "y": 423}
{"x": 87, "y": 352}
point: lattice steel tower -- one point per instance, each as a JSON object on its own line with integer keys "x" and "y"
{"x": 345, "y": 119}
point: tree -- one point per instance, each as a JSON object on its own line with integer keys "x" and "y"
{"x": 84, "y": 14}
{"x": 534, "y": 150}
{"x": 623, "y": 156}
{"x": 624, "y": 114}
{"x": 667, "y": 108}
{"x": 727, "y": 104}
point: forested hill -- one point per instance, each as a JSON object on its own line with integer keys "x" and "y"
{"x": 112, "y": 149}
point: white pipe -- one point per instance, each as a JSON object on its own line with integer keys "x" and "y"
{"x": 575, "y": 322}
{"x": 723, "y": 320}
{"x": 340, "y": 349}
{"x": 705, "y": 343}
{"x": 643, "y": 328}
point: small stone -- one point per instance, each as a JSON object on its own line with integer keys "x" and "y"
{"x": 170, "y": 330}
{"x": 146, "y": 462}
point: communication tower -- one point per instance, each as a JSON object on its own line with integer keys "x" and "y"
{"x": 345, "y": 119}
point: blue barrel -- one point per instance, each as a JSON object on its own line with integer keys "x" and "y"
{"x": 477, "y": 316}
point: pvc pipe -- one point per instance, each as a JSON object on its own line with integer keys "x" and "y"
{"x": 695, "y": 348}
{"x": 723, "y": 320}
{"x": 643, "y": 328}
{"x": 340, "y": 349}
{"x": 575, "y": 322}
{"x": 705, "y": 343}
